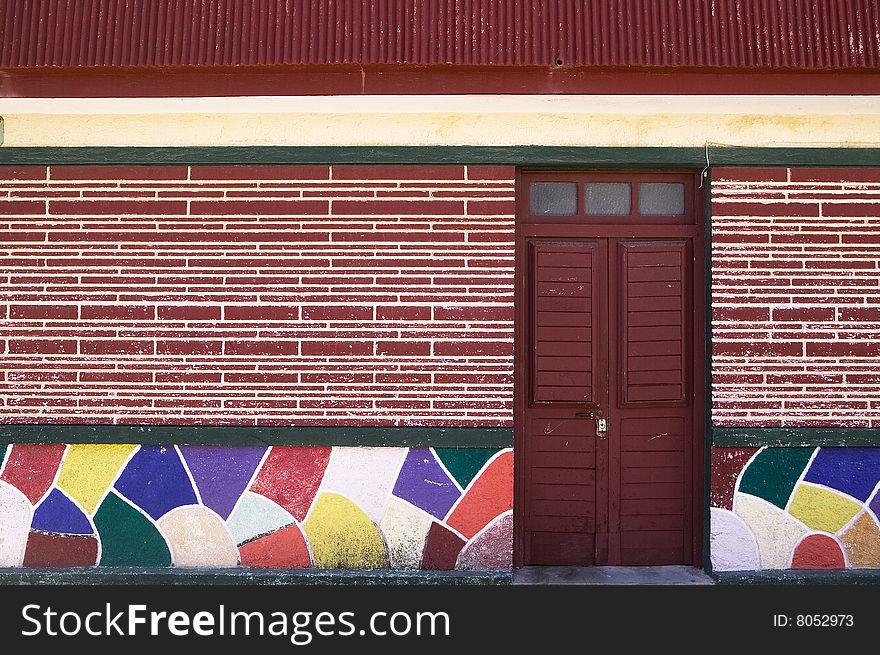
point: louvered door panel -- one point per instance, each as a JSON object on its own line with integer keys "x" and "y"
{"x": 563, "y": 320}
{"x": 654, "y": 312}
{"x": 652, "y": 425}
{"x": 566, "y": 280}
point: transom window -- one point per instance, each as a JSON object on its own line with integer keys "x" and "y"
{"x": 626, "y": 197}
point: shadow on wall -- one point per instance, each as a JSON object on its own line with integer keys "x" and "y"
{"x": 800, "y": 508}
{"x": 283, "y": 506}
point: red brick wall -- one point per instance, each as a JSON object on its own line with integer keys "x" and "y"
{"x": 796, "y": 297}
{"x": 257, "y": 295}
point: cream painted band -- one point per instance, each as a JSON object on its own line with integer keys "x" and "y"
{"x": 587, "y": 120}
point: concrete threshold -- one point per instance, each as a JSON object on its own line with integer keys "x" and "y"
{"x": 610, "y": 575}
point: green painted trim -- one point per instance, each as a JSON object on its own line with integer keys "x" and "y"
{"x": 441, "y": 437}
{"x": 795, "y": 437}
{"x": 707, "y": 399}
{"x": 800, "y": 578}
{"x": 247, "y": 576}
{"x": 528, "y": 156}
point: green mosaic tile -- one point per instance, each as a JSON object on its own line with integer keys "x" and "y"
{"x": 128, "y": 538}
{"x": 772, "y": 474}
{"x": 464, "y": 463}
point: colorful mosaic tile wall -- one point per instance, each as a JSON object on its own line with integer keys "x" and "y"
{"x": 225, "y": 506}
{"x": 800, "y": 508}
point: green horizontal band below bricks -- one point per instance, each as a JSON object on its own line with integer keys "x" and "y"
{"x": 530, "y": 156}
{"x": 796, "y": 437}
{"x": 439, "y": 437}
{"x": 91, "y": 576}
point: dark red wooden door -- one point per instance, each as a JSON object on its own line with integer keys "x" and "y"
{"x": 649, "y": 409}
{"x": 568, "y": 369}
{"x": 607, "y": 420}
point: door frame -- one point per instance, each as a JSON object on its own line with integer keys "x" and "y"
{"x": 699, "y": 325}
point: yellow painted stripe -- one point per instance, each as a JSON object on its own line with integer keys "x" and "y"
{"x": 621, "y": 121}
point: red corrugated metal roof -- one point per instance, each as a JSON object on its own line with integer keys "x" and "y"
{"x": 804, "y": 34}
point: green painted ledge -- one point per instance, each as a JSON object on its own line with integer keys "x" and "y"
{"x": 250, "y": 577}
{"x": 845, "y": 577}
{"x": 204, "y": 435}
{"x": 795, "y": 437}
{"x": 530, "y": 156}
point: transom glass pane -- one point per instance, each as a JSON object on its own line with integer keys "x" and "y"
{"x": 608, "y": 198}
{"x": 554, "y": 198}
{"x": 661, "y": 199}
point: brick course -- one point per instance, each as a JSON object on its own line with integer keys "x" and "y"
{"x": 796, "y": 297}
{"x": 257, "y": 295}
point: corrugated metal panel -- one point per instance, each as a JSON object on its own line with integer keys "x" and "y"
{"x": 828, "y": 34}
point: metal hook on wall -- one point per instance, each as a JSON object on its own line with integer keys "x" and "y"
{"x": 705, "y": 171}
